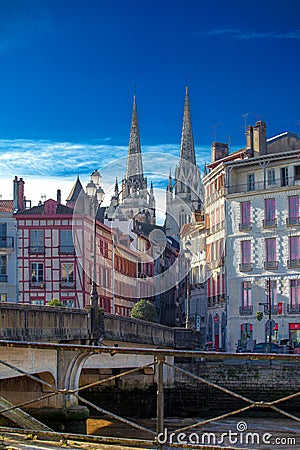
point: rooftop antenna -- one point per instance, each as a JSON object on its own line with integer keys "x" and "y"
{"x": 245, "y": 121}
{"x": 215, "y": 130}
{"x": 229, "y": 138}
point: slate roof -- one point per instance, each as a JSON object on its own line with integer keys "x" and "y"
{"x": 6, "y": 205}
{"x": 39, "y": 210}
{"x": 75, "y": 191}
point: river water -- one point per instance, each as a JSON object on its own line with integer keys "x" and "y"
{"x": 246, "y": 433}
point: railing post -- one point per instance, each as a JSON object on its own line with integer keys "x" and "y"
{"x": 160, "y": 397}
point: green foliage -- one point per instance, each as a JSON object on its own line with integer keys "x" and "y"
{"x": 259, "y": 315}
{"x": 144, "y": 310}
{"x": 55, "y": 302}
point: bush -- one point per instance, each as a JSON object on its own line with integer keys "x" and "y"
{"x": 55, "y": 302}
{"x": 144, "y": 310}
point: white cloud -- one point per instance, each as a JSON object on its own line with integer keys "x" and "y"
{"x": 238, "y": 34}
{"x": 47, "y": 166}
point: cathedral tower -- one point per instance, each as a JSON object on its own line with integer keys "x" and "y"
{"x": 184, "y": 196}
{"x": 136, "y": 201}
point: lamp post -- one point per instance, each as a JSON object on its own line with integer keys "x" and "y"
{"x": 268, "y": 304}
{"x": 96, "y": 195}
{"x": 187, "y": 255}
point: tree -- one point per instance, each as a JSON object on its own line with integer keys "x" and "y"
{"x": 144, "y": 310}
{"x": 55, "y": 302}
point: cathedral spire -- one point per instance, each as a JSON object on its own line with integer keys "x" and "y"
{"x": 170, "y": 182}
{"x": 187, "y": 150}
{"x": 134, "y": 166}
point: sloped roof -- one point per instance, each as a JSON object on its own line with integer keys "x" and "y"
{"x": 6, "y": 205}
{"x": 39, "y": 210}
{"x": 75, "y": 191}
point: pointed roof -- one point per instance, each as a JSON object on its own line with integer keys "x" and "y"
{"x": 134, "y": 161}
{"x": 187, "y": 150}
{"x": 75, "y": 191}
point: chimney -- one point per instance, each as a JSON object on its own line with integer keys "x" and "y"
{"x": 260, "y": 138}
{"x": 58, "y": 196}
{"x": 19, "y": 199}
{"x": 249, "y": 138}
{"x": 219, "y": 151}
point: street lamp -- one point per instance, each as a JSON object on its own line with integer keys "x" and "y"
{"x": 268, "y": 304}
{"x": 187, "y": 255}
{"x": 96, "y": 196}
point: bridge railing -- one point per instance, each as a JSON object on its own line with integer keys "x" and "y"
{"x": 24, "y": 322}
{"x": 161, "y": 358}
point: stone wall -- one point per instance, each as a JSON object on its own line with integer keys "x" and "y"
{"x": 42, "y": 323}
{"x": 119, "y": 328}
{"x": 256, "y": 380}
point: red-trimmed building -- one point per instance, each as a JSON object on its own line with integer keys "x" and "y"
{"x": 55, "y": 260}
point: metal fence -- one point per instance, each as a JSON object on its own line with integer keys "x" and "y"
{"x": 160, "y": 359}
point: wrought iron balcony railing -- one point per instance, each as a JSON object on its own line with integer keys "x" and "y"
{"x": 270, "y": 223}
{"x": 293, "y": 309}
{"x": 293, "y": 263}
{"x": 263, "y": 185}
{"x": 67, "y": 284}
{"x": 246, "y": 310}
{"x": 245, "y": 267}
{"x": 245, "y": 226}
{"x": 37, "y": 249}
{"x": 292, "y": 221}
{"x": 37, "y": 284}
{"x": 270, "y": 265}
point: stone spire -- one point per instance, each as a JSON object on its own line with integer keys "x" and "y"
{"x": 170, "y": 182}
{"x": 187, "y": 150}
{"x": 116, "y": 188}
{"x": 134, "y": 166}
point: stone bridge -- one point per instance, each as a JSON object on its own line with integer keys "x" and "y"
{"x": 28, "y": 371}
{"x": 33, "y": 323}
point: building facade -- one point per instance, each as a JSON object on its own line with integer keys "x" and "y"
{"x": 253, "y": 195}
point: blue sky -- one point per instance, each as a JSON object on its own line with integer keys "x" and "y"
{"x": 69, "y": 67}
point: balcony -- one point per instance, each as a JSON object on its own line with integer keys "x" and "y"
{"x": 261, "y": 186}
{"x": 67, "y": 284}
{"x": 293, "y": 309}
{"x": 292, "y": 221}
{"x": 274, "y": 310}
{"x": 3, "y": 278}
{"x": 245, "y": 267}
{"x": 271, "y": 265}
{"x": 245, "y": 226}
{"x": 37, "y": 249}
{"x": 66, "y": 249}
{"x": 215, "y": 301}
{"x": 6, "y": 242}
{"x": 270, "y": 223}
{"x": 246, "y": 310}
{"x": 37, "y": 284}
{"x": 293, "y": 263}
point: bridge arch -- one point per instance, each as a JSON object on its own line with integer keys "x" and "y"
{"x": 72, "y": 376}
